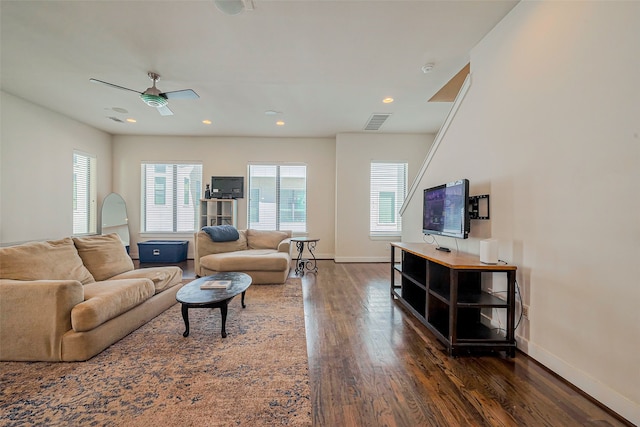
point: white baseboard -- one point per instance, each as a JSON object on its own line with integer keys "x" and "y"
{"x": 523, "y": 344}
{"x": 591, "y": 386}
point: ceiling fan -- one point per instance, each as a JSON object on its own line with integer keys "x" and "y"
{"x": 153, "y": 97}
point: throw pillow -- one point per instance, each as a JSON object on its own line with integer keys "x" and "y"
{"x": 222, "y": 233}
{"x": 51, "y": 260}
{"x": 104, "y": 256}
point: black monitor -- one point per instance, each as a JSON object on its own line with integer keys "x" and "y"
{"x": 227, "y": 187}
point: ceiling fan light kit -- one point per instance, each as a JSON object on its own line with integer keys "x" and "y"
{"x": 230, "y": 7}
{"x": 153, "y": 100}
{"x": 233, "y": 7}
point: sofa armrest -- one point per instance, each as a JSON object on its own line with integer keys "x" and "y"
{"x": 285, "y": 245}
{"x": 33, "y": 317}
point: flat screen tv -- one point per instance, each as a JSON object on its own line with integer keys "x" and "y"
{"x": 446, "y": 210}
{"x": 227, "y": 187}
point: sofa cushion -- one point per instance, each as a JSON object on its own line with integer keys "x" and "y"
{"x": 207, "y": 246}
{"x": 249, "y": 260}
{"x": 162, "y": 277}
{"x": 265, "y": 239}
{"x": 106, "y": 300}
{"x": 104, "y": 256}
{"x": 222, "y": 233}
{"x": 51, "y": 260}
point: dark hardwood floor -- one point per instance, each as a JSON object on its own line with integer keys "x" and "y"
{"x": 372, "y": 364}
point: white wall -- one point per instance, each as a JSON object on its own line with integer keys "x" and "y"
{"x": 550, "y": 129}
{"x": 229, "y": 157}
{"x": 37, "y": 170}
{"x": 354, "y": 154}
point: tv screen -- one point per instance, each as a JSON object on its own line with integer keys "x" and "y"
{"x": 227, "y": 187}
{"x": 446, "y": 210}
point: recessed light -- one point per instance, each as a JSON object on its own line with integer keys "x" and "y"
{"x": 388, "y": 100}
{"x": 132, "y": 120}
{"x": 280, "y": 123}
{"x": 206, "y": 122}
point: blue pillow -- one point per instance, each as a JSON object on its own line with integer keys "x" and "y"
{"x": 222, "y": 233}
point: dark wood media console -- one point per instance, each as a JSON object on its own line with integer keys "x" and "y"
{"x": 444, "y": 291}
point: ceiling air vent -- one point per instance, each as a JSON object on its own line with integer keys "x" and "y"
{"x": 375, "y": 121}
{"x": 115, "y": 119}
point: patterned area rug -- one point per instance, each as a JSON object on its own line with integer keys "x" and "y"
{"x": 257, "y": 376}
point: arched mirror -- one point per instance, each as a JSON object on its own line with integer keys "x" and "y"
{"x": 114, "y": 217}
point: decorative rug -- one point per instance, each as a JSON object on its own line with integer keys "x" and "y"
{"x": 257, "y": 376}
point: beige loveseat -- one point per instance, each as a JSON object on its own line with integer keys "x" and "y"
{"x": 263, "y": 255}
{"x": 69, "y": 299}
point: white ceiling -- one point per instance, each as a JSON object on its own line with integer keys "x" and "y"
{"x": 325, "y": 65}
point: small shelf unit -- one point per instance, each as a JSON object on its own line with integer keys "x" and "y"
{"x": 444, "y": 291}
{"x": 218, "y": 212}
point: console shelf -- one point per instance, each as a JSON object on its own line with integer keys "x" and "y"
{"x": 218, "y": 212}
{"x": 444, "y": 291}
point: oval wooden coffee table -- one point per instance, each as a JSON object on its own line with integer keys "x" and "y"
{"x": 191, "y": 296}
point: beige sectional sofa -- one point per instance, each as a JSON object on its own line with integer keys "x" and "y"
{"x": 263, "y": 255}
{"x": 69, "y": 299}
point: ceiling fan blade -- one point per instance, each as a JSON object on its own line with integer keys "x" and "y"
{"x": 180, "y": 94}
{"x": 112, "y": 85}
{"x": 165, "y": 111}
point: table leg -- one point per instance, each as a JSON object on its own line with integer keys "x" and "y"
{"x": 242, "y": 300}
{"x": 185, "y": 317}
{"x": 299, "y": 262}
{"x": 311, "y": 246}
{"x": 223, "y": 312}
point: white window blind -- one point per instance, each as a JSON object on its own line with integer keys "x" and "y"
{"x": 170, "y": 197}
{"x": 84, "y": 193}
{"x": 278, "y": 197}
{"x": 388, "y": 191}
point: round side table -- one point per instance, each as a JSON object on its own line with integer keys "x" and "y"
{"x": 302, "y": 264}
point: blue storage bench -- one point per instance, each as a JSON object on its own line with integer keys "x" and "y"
{"x": 166, "y": 251}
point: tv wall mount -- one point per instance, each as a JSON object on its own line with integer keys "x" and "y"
{"x": 479, "y": 207}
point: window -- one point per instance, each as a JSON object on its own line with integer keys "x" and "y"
{"x": 387, "y": 213}
{"x": 254, "y": 204}
{"x": 388, "y": 191}
{"x": 84, "y": 193}
{"x": 170, "y": 197}
{"x": 160, "y": 190}
{"x": 278, "y": 197}
{"x": 186, "y": 191}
